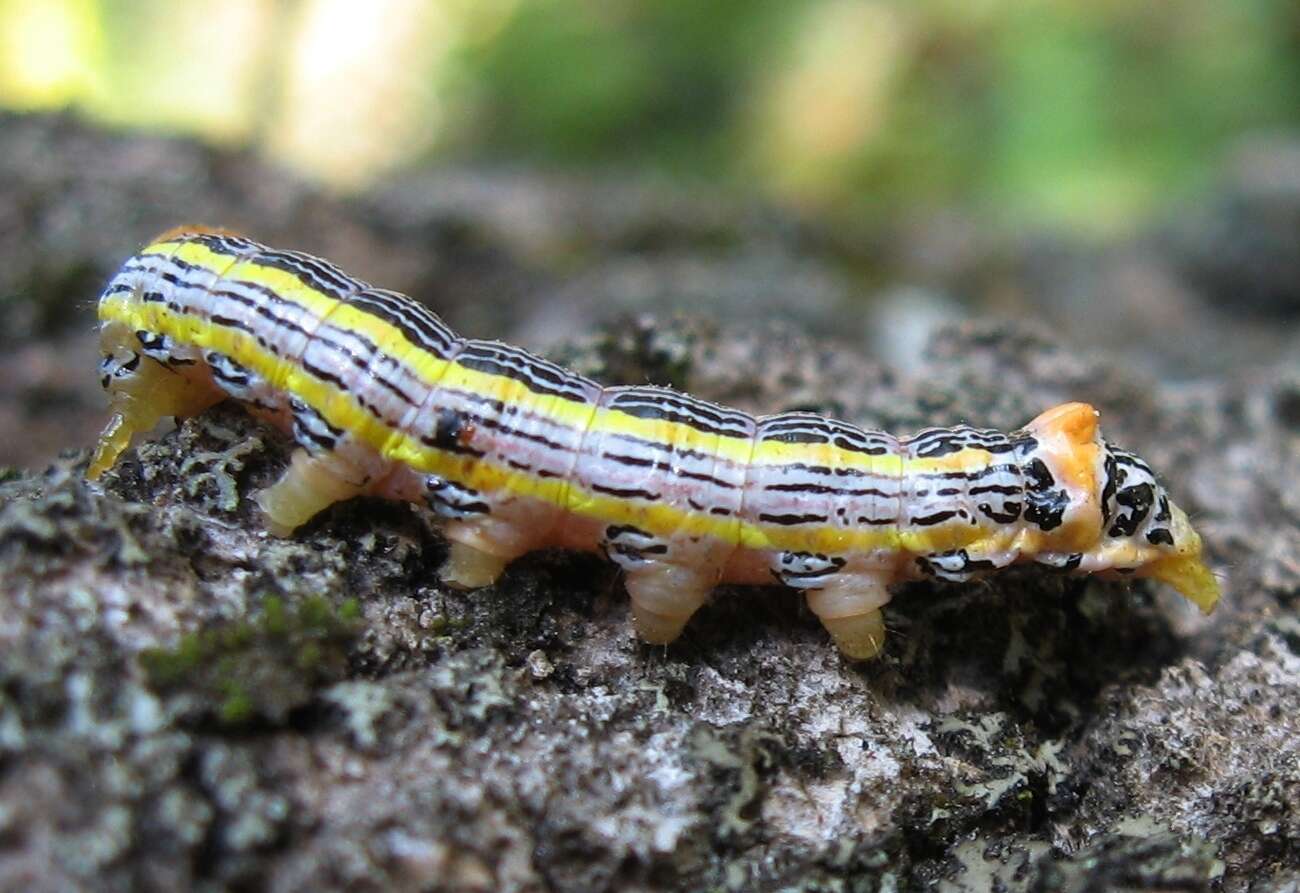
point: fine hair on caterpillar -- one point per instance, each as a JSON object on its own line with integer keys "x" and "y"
{"x": 513, "y": 453}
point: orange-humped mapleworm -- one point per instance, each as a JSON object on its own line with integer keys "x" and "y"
{"x": 514, "y": 453}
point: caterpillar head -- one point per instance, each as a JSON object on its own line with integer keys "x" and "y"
{"x": 1096, "y": 508}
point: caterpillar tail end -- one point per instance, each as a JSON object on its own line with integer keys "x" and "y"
{"x": 1184, "y": 567}
{"x": 1190, "y": 576}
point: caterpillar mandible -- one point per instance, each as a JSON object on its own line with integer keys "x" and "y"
{"x": 514, "y": 453}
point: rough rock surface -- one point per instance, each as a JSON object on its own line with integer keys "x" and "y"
{"x": 186, "y": 702}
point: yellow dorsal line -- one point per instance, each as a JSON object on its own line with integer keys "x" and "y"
{"x": 338, "y": 407}
{"x": 571, "y": 413}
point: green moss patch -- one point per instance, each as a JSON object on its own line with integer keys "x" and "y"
{"x": 261, "y": 669}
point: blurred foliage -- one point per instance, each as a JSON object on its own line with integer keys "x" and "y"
{"x": 1066, "y": 110}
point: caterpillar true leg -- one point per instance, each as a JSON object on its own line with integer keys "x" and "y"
{"x": 142, "y": 391}
{"x": 849, "y": 608}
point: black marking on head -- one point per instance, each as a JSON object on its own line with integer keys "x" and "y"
{"x": 160, "y": 347}
{"x": 1038, "y": 476}
{"x": 110, "y": 369}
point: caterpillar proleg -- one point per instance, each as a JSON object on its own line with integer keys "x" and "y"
{"x": 514, "y": 453}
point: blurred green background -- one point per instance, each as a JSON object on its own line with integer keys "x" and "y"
{"x": 1079, "y": 112}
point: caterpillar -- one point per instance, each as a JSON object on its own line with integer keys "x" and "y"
{"x": 514, "y": 453}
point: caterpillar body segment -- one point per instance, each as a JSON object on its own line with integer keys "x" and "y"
{"x": 513, "y": 453}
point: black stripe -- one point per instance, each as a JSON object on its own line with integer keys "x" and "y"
{"x": 673, "y": 449}
{"x": 232, "y": 246}
{"x": 794, "y": 436}
{"x": 962, "y": 475}
{"x": 787, "y": 520}
{"x": 417, "y": 325}
{"x": 1009, "y": 516}
{"x": 318, "y": 275}
{"x": 650, "y": 402}
{"x": 660, "y": 465}
{"x": 531, "y": 375}
{"x": 843, "y": 442}
{"x": 511, "y": 431}
{"x": 656, "y": 412}
{"x": 458, "y": 449}
{"x": 1003, "y": 489}
{"x": 263, "y": 310}
{"x": 229, "y": 323}
{"x": 936, "y": 518}
{"x": 631, "y": 493}
{"x": 821, "y": 489}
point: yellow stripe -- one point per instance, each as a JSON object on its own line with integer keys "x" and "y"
{"x": 341, "y": 410}
{"x": 571, "y": 413}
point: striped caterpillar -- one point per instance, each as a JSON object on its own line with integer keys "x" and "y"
{"x": 514, "y": 453}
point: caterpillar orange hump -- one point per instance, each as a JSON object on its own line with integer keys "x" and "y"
{"x": 514, "y": 453}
